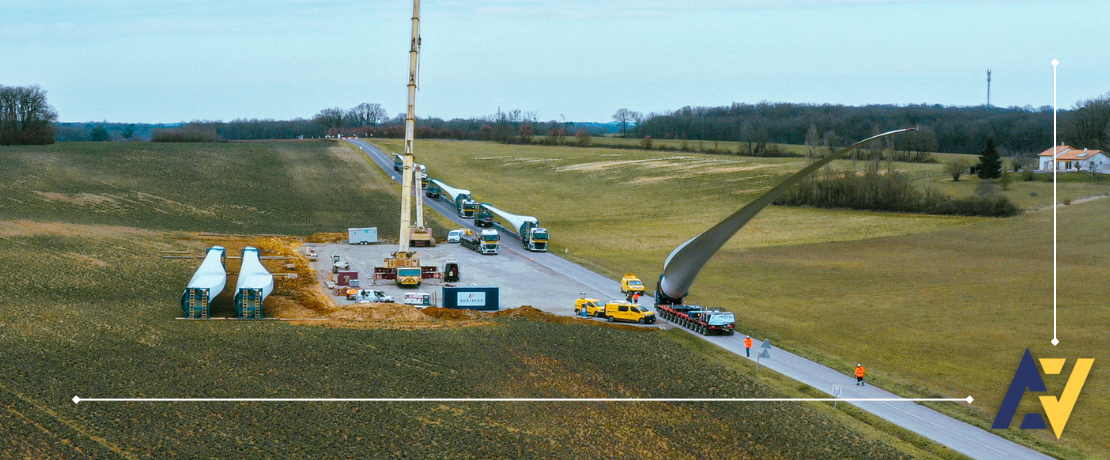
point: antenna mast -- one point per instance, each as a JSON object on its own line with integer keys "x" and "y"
{"x": 988, "y": 90}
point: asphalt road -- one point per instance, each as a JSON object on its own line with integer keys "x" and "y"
{"x": 959, "y": 436}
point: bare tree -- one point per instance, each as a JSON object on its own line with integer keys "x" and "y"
{"x": 956, "y": 168}
{"x": 25, "y": 116}
{"x": 330, "y": 118}
{"x": 366, "y": 114}
{"x": 624, "y": 116}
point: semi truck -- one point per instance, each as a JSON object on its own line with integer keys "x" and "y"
{"x": 704, "y": 321}
{"x": 432, "y": 191}
{"x": 484, "y": 217}
{"x": 532, "y": 236}
{"x": 398, "y": 162}
{"x": 484, "y": 243}
{"x": 465, "y": 205}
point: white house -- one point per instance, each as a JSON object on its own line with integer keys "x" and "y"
{"x": 1071, "y": 159}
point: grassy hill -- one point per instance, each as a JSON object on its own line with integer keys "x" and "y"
{"x": 936, "y": 306}
{"x": 89, "y": 310}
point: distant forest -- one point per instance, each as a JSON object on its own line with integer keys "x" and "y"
{"x": 953, "y": 129}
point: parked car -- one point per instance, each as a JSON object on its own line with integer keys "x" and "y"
{"x": 454, "y": 235}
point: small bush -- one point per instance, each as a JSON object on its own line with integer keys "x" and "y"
{"x": 889, "y": 191}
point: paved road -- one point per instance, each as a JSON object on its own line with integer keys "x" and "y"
{"x": 959, "y": 436}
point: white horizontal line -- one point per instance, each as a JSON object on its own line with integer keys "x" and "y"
{"x": 462, "y": 400}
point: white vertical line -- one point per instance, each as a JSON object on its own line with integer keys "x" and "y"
{"x": 1055, "y": 166}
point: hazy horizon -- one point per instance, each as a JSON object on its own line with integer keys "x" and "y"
{"x": 127, "y": 61}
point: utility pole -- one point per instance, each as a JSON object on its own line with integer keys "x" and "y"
{"x": 988, "y": 90}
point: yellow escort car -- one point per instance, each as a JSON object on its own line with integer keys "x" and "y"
{"x": 593, "y": 307}
{"x": 619, "y": 310}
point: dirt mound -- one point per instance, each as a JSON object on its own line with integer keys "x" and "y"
{"x": 382, "y": 312}
{"x": 450, "y": 313}
{"x": 326, "y": 238}
{"x": 535, "y": 314}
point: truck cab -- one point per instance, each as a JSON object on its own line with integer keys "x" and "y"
{"x": 490, "y": 240}
{"x": 593, "y": 307}
{"x": 537, "y": 239}
{"x": 631, "y": 284}
{"x": 467, "y": 208}
{"x": 619, "y": 310}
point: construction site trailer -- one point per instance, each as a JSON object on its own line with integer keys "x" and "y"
{"x": 345, "y": 277}
{"x": 471, "y": 297}
{"x": 366, "y": 235}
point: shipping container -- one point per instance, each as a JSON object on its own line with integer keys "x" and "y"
{"x": 365, "y": 235}
{"x": 471, "y": 297}
{"x": 344, "y": 278}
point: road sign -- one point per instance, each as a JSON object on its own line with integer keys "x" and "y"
{"x": 766, "y": 344}
{"x": 765, "y": 354}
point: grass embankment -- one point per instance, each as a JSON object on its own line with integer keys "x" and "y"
{"x": 934, "y": 305}
{"x": 90, "y": 308}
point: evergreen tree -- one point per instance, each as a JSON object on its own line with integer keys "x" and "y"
{"x": 99, "y": 134}
{"x": 990, "y": 163}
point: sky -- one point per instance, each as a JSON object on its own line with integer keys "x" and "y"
{"x": 579, "y": 60}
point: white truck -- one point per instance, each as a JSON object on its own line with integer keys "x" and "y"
{"x": 369, "y": 296}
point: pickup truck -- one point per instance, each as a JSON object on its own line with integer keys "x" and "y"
{"x": 369, "y": 296}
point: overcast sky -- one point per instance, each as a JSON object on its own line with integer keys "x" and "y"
{"x": 176, "y": 60}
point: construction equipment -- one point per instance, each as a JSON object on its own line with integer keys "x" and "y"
{"x": 484, "y": 218}
{"x": 464, "y": 205}
{"x": 401, "y": 264}
{"x": 682, "y": 266}
{"x": 206, "y": 284}
{"x": 255, "y": 283}
{"x": 532, "y": 236}
{"x": 451, "y": 271}
{"x": 485, "y": 243}
{"x": 339, "y": 263}
{"x": 700, "y": 320}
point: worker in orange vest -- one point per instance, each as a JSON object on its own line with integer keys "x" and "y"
{"x": 859, "y": 374}
{"x": 748, "y": 345}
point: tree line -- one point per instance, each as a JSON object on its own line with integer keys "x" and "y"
{"x": 25, "y": 116}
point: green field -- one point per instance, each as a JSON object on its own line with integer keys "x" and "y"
{"x": 89, "y": 308}
{"x": 934, "y": 305}
{"x": 241, "y": 187}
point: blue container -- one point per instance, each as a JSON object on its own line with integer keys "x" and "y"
{"x": 471, "y": 297}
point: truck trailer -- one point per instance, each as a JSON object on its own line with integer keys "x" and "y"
{"x": 484, "y": 243}
{"x": 704, "y": 321}
{"x": 532, "y": 236}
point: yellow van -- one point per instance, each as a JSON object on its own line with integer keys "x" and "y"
{"x": 619, "y": 310}
{"x": 593, "y": 307}
{"x": 631, "y": 284}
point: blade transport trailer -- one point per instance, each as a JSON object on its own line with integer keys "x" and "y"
{"x": 532, "y": 236}
{"x": 207, "y": 283}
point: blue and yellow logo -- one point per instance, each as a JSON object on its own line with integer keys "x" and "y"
{"x": 1057, "y": 409}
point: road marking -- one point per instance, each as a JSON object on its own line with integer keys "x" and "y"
{"x": 78, "y": 400}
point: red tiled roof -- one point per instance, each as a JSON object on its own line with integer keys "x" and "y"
{"x": 1067, "y": 153}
